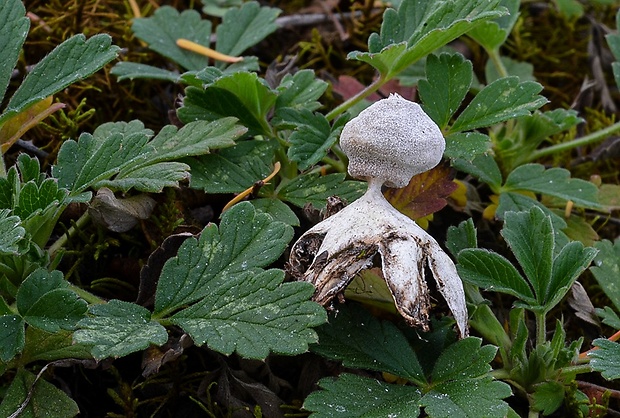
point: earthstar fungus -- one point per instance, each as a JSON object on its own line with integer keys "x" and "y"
{"x": 387, "y": 143}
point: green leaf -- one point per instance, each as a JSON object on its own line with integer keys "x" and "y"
{"x": 245, "y": 27}
{"x": 504, "y": 99}
{"x": 152, "y": 178}
{"x": 492, "y": 34}
{"x": 448, "y": 78}
{"x": 99, "y": 156}
{"x": 463, "y": 359}
{"x": 606, "y": 269}
{"x": 419, "y": 28}
{"x": 34, "y": 198}
{"x": 245, "y": 240}
{"x": 356, "y": 396}
{"x": 606, "y": 359}
{"x": 46, "y": 400}
{"x": 470, "y": 398}
{"x": 608, "y": 317}
{"x": 13, "y": 30}
{"x": 133, "y": 70}
{"x": 548, "y": 397}
{"x": 461, "y": 237}
{"x": 5, "y": 309}
{"x": 118, "y": 328}
{"x": 300, "y": 91}
{"x": 491, "y": 271}
{"x": 39, "y": 201}
{"x": 568, "y": 265}
{"x": 277, "y": 209}
{"x": 570, "y": 8}
{"x": 517, "y": 202}
{"x": 200, "y": 78}
{"x": 483, "y": 167}
{"x": 29, "y": 169}
{"x": 554, "y": 182}
{"x": 45, "y": 302}
{"x": 530, "y": 237}
{"x": 36, "y": 285}
{"x": 43, "y": 345}
{"x": 57, "y": 309}
{"x": 312, "y": 139}
{"x": 218, "y": 8}
{"x": 361, "y": 341}
{"x": 489, "y": 35}
{"x": 232, "y": 170}
{"x": 12, "y": 336}
{"x": 467, "y": 145}
{"x": 315, "y": 189}
{"x": 73, "y": 60}
{"x": 166, "y": 26}
{"x": 387, "y": 60}
{"x": 12, "y": 234}
{"x": 252, "y": 314}
{"x": 242, "y": 95}
{"x": 195, "y": 138}
{"x": 119, "y": 155}
{"x": 530, "y": 131}
{"x": 613, "y": 40}
{"x": 461, "y": 385}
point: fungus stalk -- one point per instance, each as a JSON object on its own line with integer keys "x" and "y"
{"x": 388, "y": 143}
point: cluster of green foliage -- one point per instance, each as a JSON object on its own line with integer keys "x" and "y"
{"x": 226, "y": 289}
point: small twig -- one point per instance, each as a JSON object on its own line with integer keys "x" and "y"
{"x": 612, "y": 392}
{"x": 309, "y": 19}
{"x": 36, "y": 19}
{"x": 24, "y": 404}
{"x": 614, "y": 337}
{"x": 30, "y": 147}
{"x": 207, "y": 52}
{"x": 250, "y": 190}
{"x": 134, "y": 8}
{"x": 312, "y": 19}
{"x": 334, "y": 19}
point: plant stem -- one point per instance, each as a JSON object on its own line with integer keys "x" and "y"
{"x": 541, "y": 328}
{"x": 578, "y": 369}
{"x": 60, "y": 242}
{"x": 497, "y": 62}
{"x": 486, "y": 323}
{"x": 500, "y": 374}
{"x": 338, "y": 110}
{"x": 337, "y": 165}
{"x": 86, "y": 295}
{"x": 340, "y": 154}
{"x": 584, "y": 140}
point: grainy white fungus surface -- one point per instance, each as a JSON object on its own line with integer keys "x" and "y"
{"x": 392, "y": 140}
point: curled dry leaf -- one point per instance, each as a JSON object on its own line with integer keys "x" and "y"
{"x": 330, "y": 254}
{"x": 119, "y": 215}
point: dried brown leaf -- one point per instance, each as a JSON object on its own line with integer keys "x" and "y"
{"x": 426, "y": 193}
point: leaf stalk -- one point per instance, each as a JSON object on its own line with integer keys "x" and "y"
{"x": 578, "y": 142}
{"x": 60, "y": 242}
{"x": 370, "y": 89}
